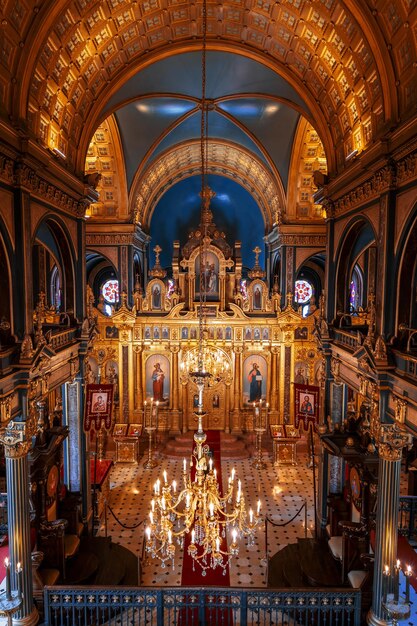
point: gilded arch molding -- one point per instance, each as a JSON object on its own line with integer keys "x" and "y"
{"x": 224, "y": 159}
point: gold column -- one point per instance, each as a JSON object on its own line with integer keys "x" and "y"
{"x": 175, "y": 424}
{"x": 228, "y": 425}
{"x": 274, "y": 386}
{"x": 184, "y": 405}
{"x": 236, "y": 426}
{"x": 138, "y": 386}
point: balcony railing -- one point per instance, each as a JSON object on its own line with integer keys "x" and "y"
{"x": 179, "y": 606}
{"x": 347, "y": 339}
{"x": 407, "y": 521}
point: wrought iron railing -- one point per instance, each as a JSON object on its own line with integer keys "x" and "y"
{"x": 407, "y": 520}
{"x": 103, "y": 606}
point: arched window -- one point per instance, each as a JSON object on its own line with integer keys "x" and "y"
{"x": 355, "y": 290}
{"x": 110, "y": 293}
{"x": 55, "y": 287}
{"x": 303, "y": 292}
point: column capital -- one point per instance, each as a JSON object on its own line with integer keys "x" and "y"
{"x": 392, "y": 439}
{"x": 13, "y": 439}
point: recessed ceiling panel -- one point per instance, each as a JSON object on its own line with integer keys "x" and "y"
{"x": 227, "y": 74}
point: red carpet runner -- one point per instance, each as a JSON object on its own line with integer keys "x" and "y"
{"x": 192, "y": 575}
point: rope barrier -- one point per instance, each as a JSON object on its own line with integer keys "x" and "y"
{"x": 121, "y": 523}
{"x": 267, "y": 519}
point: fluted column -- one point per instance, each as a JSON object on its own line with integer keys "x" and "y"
{"x": 17, "y": 477}
{"x": 138, "y": 386}
{"x": 175, "y": 424}
{"x": 227, "y": 424}
{"x": 237, "y": 394}
{"x": 393, "y": 439}
{"x": 273, "y": 415}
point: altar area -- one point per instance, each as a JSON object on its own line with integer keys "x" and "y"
{"x": 282, "y": 491}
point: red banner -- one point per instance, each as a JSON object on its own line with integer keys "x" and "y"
{"x": 306, "y": 398}
{"x": 98, "y": 406}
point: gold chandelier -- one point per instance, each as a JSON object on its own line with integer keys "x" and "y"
{"x": 196, "y": 514}
{"x": 200, "y": 511}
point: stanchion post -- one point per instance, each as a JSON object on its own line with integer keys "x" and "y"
{"x": 305, "y": 518}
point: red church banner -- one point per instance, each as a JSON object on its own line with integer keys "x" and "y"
{"x": 98, "y": 406}
{"x": 306, "y": 405}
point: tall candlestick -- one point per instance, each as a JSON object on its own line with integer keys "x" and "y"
{"x": 408, "y": 574}
{"x": 385, "y": 583}
{"x": 397, "y": 580}
{"x": 19, "y": 572}
{"x": 7, "y": 565}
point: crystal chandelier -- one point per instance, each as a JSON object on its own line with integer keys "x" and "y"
{"x": 196, "y": 514}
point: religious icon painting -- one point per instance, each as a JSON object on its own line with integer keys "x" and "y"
{"x": 219, "y": 333}
{"x": 112, "y": 332}
{"x": 228, "y": 333}
{"x": 211, "y": 332}
{"x": 301, "y": 333}
{"x": 156, "y": 332}
{"x": 208, "y": 275}
{"x": 193, "y": 332}
{"x": 254, "y": 378}
{"x": 148, "y": 332}
{"x": 257, "y": 334}
{"x": 248, "y": 333}
{"x": 156, "y": 297}
{"x": 184, "y": 332}
{"x": 165, "y": 332}
{"x": 157, "y": 378}
{"x": 257, "y": 296}
{"x": 265, "y": 334}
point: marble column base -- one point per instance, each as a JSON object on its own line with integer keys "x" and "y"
{"x": 373, "y": 620}
{"x": 28, "y": 620}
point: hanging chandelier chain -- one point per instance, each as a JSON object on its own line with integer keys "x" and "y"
{"x": 202, "y": 322}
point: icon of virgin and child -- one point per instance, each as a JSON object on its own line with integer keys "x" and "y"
{"x": 158, "y": 378}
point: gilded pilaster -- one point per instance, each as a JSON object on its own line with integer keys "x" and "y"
{"x": 237, "y": 389}
{"x": 138, "y": 379}
{"x": 175, "y": 424}
{"x": 274, "y": 384}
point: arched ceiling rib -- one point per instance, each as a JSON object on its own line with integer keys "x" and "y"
{"x": 61, "y": 59}
{"x": 224, "y": 159}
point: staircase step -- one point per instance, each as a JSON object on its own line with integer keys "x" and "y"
{"x": 319, "y": 567}
{"x": 284, "y": 568}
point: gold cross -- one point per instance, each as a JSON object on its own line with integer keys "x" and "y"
{"x": 157, "y": 251}
{"x": 257, "y": 252}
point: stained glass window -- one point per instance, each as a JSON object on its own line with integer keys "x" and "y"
{"x": 244, "y": 288}
{"x": 355, "y": 290}
{"x": 303, "y": 291}
{"x": 110, "y": 291}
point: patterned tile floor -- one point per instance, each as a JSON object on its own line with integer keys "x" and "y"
{"x": 282, "y": 491}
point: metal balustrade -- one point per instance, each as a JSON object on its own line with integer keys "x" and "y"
{"x": 407, "y": 520}
{"x": 179, "y": 606}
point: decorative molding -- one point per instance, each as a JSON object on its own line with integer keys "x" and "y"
{"x": 392, "y": 439}
{"x": 382, "y": 181}
{"x": 111, "y": 239}
{"x": 302, "y": 240}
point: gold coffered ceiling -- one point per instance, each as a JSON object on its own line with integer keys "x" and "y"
{"x": 354, "y": 64}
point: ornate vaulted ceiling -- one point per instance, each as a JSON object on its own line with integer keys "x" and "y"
{"x": 347, "y": 68}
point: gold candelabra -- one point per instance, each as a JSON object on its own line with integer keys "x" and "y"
{"x": 260, "y": 424}
{"x": 150, "y": 421}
